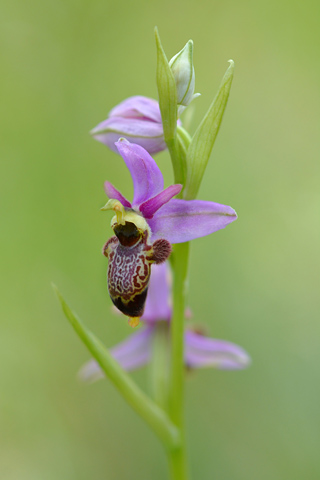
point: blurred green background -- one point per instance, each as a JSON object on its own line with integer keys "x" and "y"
{"x": 65, "y": 64}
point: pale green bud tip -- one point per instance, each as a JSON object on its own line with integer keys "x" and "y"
{"x": 183, "y": 71}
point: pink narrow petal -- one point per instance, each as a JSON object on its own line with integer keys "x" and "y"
{"x": 158, "y": 304}
{"x": 132, "y": 353}
{"x": 149, "y": 208}
{"x": 146, "y": 175}
{"x": 138, "y": 106}
{"x": 112, "y": 192}
{"x": 202, "y": 351}
{"x": 183, "y": 220}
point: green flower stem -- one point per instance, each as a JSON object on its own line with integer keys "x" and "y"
{"x": 180, "y": 267}
{"x": 154, "y": 416}
{"x": 183, "y": 139}
{"x": 178, "y": 157}
{"x": 178, "y": 464}
{"x": 176, "y": 394}
{"x": 159, "y": 371}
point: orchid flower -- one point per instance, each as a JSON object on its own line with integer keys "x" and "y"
{"x": 200, "y": 351}
{"x": 145, "y": 228}
{"x": 138, "y": 119}
{"x": 173, "y": 219}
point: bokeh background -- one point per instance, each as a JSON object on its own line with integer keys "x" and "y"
{"x": 65, "y": 64}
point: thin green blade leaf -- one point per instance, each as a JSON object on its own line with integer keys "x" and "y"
{"x": 167, "y": 92}
{"x": 203, "y": 140}
{"x": 155, "y": 417}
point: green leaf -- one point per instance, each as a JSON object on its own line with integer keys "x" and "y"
{"x": 167, "y": 92}
{"x": 155, "y": 417}
{"x": 203, "y": 140}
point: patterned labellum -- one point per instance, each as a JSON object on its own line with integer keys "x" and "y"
{"x": 130, "y": 258}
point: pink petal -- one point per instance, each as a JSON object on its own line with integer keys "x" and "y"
{"x": 183, "y": 220}
{"x": 112, "y": 192}
{"x": 149, "y": 208}
{"x": 201, "y": 351}
{"x": 146, "y": 175}
{"x": 136, "y": 107}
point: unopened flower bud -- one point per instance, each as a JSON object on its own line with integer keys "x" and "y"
{"x": 183, "y": 71}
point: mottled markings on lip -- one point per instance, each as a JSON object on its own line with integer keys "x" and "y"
{"x": 131, "y": 254}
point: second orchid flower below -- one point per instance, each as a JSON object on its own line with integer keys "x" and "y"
{"x": 200, "y": 350}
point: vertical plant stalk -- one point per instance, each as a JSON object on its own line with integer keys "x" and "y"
{"x": 178, "y": 161}
{"x": 178, "y": 148}
{"x": 177, "y": 456}
{"x": 159, "y": 371}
